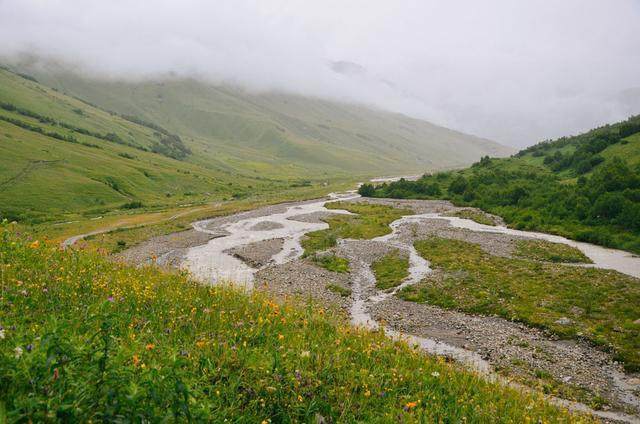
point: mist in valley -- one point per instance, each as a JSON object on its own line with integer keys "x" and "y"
{"x": 516, "y": 73}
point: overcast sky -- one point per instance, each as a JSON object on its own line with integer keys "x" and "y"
{"x": 516, "y": 71}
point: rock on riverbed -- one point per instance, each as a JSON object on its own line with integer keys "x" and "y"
{"x": 258, "y": 254}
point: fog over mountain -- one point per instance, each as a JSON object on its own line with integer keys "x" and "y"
{"x": 515, "y": 72}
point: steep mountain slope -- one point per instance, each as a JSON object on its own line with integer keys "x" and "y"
{"x": 278, "y": 134}
{"x": 586, "y": 187}
{"x": 59, "y": 155}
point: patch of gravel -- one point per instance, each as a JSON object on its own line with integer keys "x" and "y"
{"x": 218, "y": 222}
{"x": 304, "y": 279}
{"x": 365, "y": 250}
{"x": 165, "y": 250}
{"x": 257, "y": 254}
{"x": 266, "y": 226}
{"x": 495, "y": 219}
{"x": 313, "y": 217}
{"x": 513, "y": 346}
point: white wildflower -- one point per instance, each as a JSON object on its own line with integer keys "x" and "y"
{"x": 18, "y": 351}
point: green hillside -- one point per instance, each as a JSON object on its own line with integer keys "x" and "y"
{"x": 585, "y": 187}
{"x": 61, "y": 156}
{"x": 278, "y": 134}
{"x": 159, "y": 144}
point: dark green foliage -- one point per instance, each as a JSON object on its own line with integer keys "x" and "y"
{"x": 133, "y": 205}
{"x": 366, "y": 190}
{"x": 458, "y": 186}
{"x": 144, "y": 123}
{"x": 171, "y": 146}
{"x": 126, "y": 155}
{"x": 601, "y": 206}
{"x": 587, "y": 146}
{"x": 111, "y": 182}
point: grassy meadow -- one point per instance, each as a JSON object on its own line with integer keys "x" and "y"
{"x": 62, "y": 159}
{"x": 86, "y": 339}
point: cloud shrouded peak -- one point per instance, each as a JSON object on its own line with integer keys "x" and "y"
{"x": 516, "y": 72}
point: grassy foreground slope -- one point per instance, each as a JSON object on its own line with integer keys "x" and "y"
{"x": 62, "y": 158}
{"x": 83, "y": 338}
{"x": 585, "y": 187}
{"x": 279, "y": 134}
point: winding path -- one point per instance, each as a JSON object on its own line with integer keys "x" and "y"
{"x": 74, "y": 239}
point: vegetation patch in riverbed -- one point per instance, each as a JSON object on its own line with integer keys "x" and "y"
{"x": 369, "y": 222}
{"x": 390, "y": 270}
{"x": 87, "y": 339}
{"x": 600, "y": 305}
{"x": 542, "y": 250}
{"x": 342, "y": 291}
{"x": 332, "y": 262}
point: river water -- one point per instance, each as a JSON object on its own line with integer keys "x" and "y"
{"x": 211, "y": 262}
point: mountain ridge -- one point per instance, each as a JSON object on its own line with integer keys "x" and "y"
{"x": 350, "y": 137}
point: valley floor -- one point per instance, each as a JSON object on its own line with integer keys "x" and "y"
{"x": 262, "y": 249}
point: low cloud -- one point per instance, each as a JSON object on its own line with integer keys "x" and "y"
{"x": 516, "y": 72}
